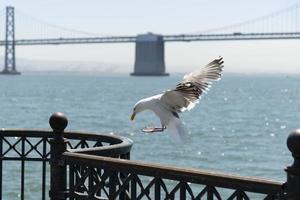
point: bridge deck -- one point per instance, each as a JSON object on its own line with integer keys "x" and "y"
{"x": 166, "y": 38}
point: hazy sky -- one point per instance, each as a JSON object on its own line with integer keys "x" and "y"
{"x": 133, "y": 17}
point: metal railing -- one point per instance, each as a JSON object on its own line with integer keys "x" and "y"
{"x": 91, "y": 166}
{"x": 138, "y": 180}
{"x": 27, "y": 146}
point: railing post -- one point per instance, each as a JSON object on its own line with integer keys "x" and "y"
{"x": 58, "y": 145}
{"x": 292, "y": 188}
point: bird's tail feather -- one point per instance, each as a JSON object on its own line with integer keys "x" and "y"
{"x": 177, "y": 130}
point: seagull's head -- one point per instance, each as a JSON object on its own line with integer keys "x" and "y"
{"x": 138, "y": 107}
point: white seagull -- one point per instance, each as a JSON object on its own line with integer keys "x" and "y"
{"x": 184, "y": 97}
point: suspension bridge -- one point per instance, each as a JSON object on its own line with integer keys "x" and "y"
{"x": 149, "y": 48}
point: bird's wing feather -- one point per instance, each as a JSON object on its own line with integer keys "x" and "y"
{"x": 187, "y": 93}
{"x": 211, "y": 71}
{"x": 177, "y": 101}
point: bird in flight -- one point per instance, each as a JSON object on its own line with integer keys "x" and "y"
{"x": 183, "y": 98}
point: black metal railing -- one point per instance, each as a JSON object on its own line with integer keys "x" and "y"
{"x": 92, "y": 166}
{"x": 27, "y": 146}
{"x": 138, "y": 180}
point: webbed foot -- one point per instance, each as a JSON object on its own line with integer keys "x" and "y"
{"x": 153, "y": 129}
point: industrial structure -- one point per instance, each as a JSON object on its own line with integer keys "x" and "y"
{"x": 150, "y": 48}
{"x": 149, "y": 56}
{"x": 10, "y": 58}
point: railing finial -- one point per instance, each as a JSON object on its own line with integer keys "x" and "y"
{"x": 293, "y": 143}
{"x": 58, "y": 122}
{"x": 293, "y": 171}
{"x": 58, "y": 145}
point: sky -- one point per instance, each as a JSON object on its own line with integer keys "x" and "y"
{"x": 132, "y": 17}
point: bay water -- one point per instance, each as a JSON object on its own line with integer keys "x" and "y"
{"x": 240, "y": 126}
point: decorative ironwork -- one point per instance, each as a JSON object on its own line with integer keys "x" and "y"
{"x": 25, "y": 146}
{"x": 98, "y": 167}
{"x": 95, "y": 177}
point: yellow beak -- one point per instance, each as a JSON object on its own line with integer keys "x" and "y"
{"x": 132, "y": 116}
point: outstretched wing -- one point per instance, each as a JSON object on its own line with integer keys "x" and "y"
{"x": 187, "y": 93}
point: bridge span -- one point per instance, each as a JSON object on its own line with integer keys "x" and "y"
{"x": 166, "y": 38}
{"x": 149, "y": 48}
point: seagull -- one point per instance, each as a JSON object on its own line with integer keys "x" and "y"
{"x": 183, "y": 98}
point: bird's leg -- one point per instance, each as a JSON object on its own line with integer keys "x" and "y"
{"x": 154, "y": 129}
{"x": 160, "y": 129}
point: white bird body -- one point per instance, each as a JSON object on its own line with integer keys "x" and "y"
{"x": 183, "y": 98}
{"x": 155, "y": 104}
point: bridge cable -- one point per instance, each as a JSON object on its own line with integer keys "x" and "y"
{"x": 57, "y": 27}
{"x": 270, "y": 17}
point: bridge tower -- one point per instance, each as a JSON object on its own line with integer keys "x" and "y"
{"x": 10, "y": 59}
{"x": 149, "y": 56}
